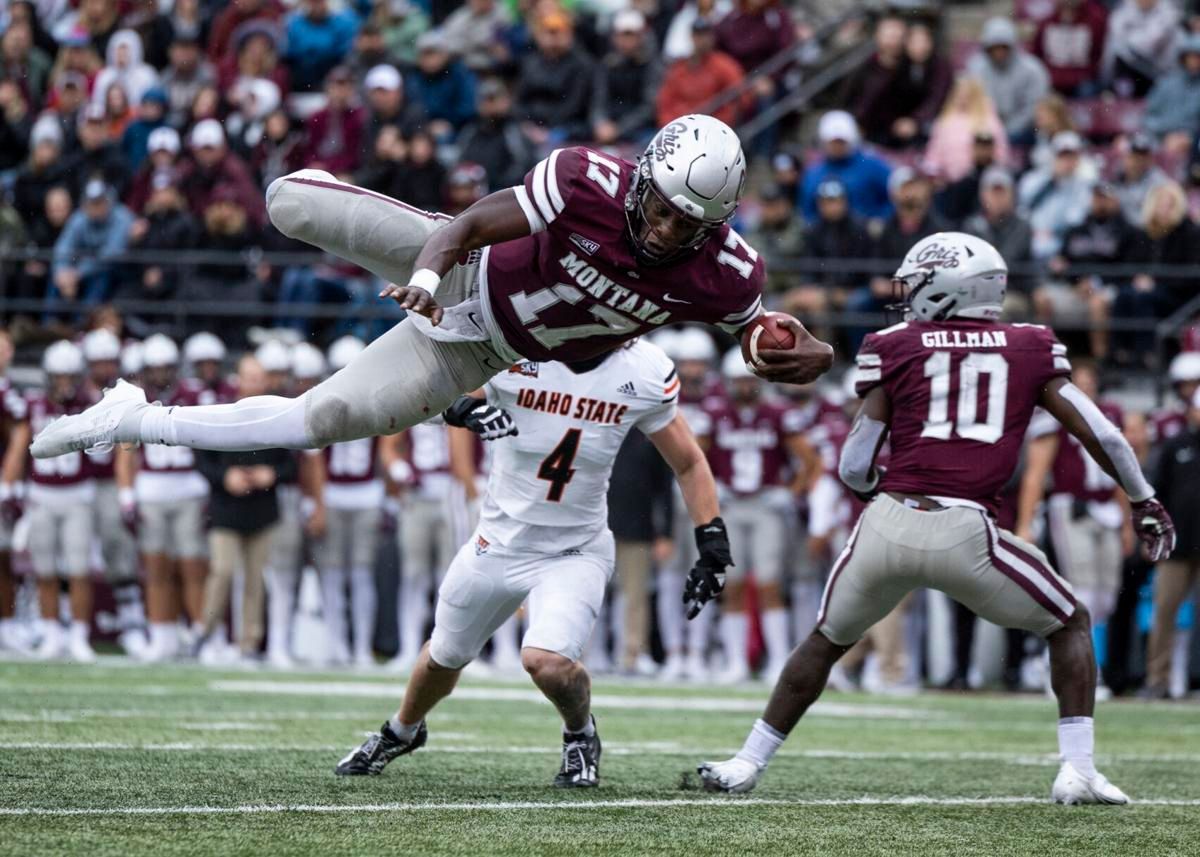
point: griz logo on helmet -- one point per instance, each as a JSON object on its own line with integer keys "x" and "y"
{"x": 938, "y": 256}
{"x": 664, "y": 144}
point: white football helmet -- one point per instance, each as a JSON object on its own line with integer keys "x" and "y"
{"x": 101, "y": 344}
{"x": 694, "y": 167}
{"x": 203, "y": 346}
{"x": 307, "y": 361}
{"x": 274, "y": 356}
{"x": 343, "y": 350}
{"x": 1185, "y": 367}
{"x": 63, "y": 358}
{"x": 159, "y": 350}
{"x": 951, "y": 275}
{"x": 132, "y": 358}
{"x": 692, "y": 343}
{"x": 733, "y": 366}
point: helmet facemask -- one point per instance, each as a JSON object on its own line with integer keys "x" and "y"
{"x": 645, "y": 205}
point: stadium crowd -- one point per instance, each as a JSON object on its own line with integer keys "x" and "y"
{"x": 1068, "y": 135}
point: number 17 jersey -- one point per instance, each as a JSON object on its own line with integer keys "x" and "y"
{"x": 548, "y": 486}
{"x": 962, "y": 393}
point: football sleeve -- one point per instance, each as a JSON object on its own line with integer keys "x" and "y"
{"x": 868, "y": 367}
{"x": 549, "y": 187}
{"x": 1053, "y": 356}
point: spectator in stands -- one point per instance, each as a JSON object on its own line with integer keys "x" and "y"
{"x": 442, "y": 85}
{"x": 1173, "y": 106}
{"x": 126, "y": 68}
{"x": 921, "y": 86}
{"x": 75, "y": 53}
{"x": 1137, "y": 175}
{"x": 968, "y": 113}
{"x": 67, "y": 100}
{"x": 692, "y": 83}
{"x": 25, "y": 12}
{"x": 474, "y": 30}
{"x": 16, "y": 122}
{"x": 677, "y": 44}
{"x": 162, "y": 155}
{"x": 1140, "y": 45}
{"x": 835, "y": 234}
{"x": 387, "y": 107}
{"x": 998, "y": 223}
{"x": 1056, "y": 197}
{"x": 153, "y": 28}
{"x": 1070, "y": 43}
{"x": 627, "y": 81}
{"x": 98, "y": 155}
{"x": 44, "y": 168}
{"x": 424, "y": 175}
{"x": 227, "y": 22}
{"x": 787, "y": 169}
{"x": 779, "y": 234}
{"x": 369, "y": 51}
{"x": 1015, "y": 80}
{"x": 83, "y": 268}
{"x": 317, "y": 40}
{"x": 186, "y": 74}
{"x": 227, "y": 230}
{"x": 960, "y": 199}
{"x": 465, "y": 186}
{"x": 256, "y": 55}
{"x": 864, "y": 175}
{"x": 254, "y": 99}
{"x": 214, "y": 170}
{"x": 278, "y": 152}
{"x": 96, "y": 21}
{"x": 117, "y": 112}
{"x": 335, "y": 132}
{"x": 1051, "y": 116}
{"x": 402, "y": 22}
{"x": 188, "y": 20}
{"x": 24, "y": 64}
{"x": 151, "y": 115}
{"x": 44, "y": 231}
{"x": 555, "y": 83}
{"x": 165, "y": 226}
{"x": 495, "y": 140}
{"x": 753, "y": 32}
{"x": 870, "y": 93}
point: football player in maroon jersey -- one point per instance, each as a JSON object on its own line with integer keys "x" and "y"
{"x": 14, "y": 441}
{"x": 588, "y": 252}
{"x": 953, "y": 390}
{"x": 1184, "y": 375}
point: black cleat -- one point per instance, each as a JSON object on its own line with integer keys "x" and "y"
{"x": 379, "y": 749}
{"x": 580, "y": 761}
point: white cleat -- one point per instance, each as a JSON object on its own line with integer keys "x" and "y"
{"x": 734, "y": 776}
{"x": 674, "y": 668}
{"x": 280, "y": 659}
{"x": 53, "y": 644}
{"x": 1072, "y": 788}
{"x": 79, "y": 649}
{"x": 94, "y": 429}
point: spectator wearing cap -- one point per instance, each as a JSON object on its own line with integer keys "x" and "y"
{"x": 1070, "y": 43}
{"x": 466, "y": 184}
{"x": 25, "y": 64}
{"x": 387, "y": 108}
{"x": 753, "y": 32}
{"x": 83, "y": 271}
{"x": 474, "y": 29}
{"x": 627, "y": 80}
{"x": 16, "y": 121}
{"x": 165, "y": 226}
{"x": 969, "y": 112}
{"x": 236, "y": 13}
{"x": 495, "y": 140}
{"x": 98, "y": 155}
{"x": 187, "y": 72}
{"x": 1014, "y": 79}
{"x": 1136, "y": 175}
{"x": 213, "y": 169}
{"x": 836, "y": 235}
{"x": 998, "y": 223}
{"x": 870, "y": 93}
{"x": 693, "y": 82}
{"x": 256, "y": 54}
{"x": 778, "y": 235}
{"x": 335, "y": 132}
{"x": 555, "y": 82}
{"x": 227, "y": 232}
{"x": 402, "y": 22}
{"x": 1140, "y": 44}
{"x": 959, "y": 199}
{"x": 677, "y": 44}
{"x": 1056, "y": 197}
{"x": 864, "y": 175}
{"x": 44, "y": 168}
{"x": 317, "y": 40}
{"x": 151, "y": 115}
{"x": 126, "y": 68}
{"x": 162, "y": 154}
{"x": 442, "y": 85}
{"x": 95, "y": 21}
{"x": 1173, "y": 105}
{"x": 255, "y": 98}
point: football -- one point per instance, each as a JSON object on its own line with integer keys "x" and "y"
{"x": 765, "y": 333}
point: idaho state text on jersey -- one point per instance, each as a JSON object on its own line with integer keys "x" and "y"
{"x": 582, "y": 408}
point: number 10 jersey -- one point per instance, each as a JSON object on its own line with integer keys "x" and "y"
{"x": 548, "y": 485}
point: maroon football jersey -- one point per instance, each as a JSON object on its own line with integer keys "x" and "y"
{"x": 1166, "y": 423}
{"x": 748, "y": 450}
{"x": 962, "y": 393}
{"x": 158, "y": 458}
{"x": 222, "y": 392}
{"x": 351, "y": 461}
{"x": 573, "y": 288}
{"x": 69, "y": 469}
{"x": 1077, "y": 473}
{"x": 428, "y": 450}
{"x": 13, "y": 409}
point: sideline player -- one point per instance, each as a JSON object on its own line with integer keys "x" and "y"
{"x": 14, "y": 444}
{"x": 955, "y": 390}
{"x": 543, "y": 536}
{"x": 589, "y": 252}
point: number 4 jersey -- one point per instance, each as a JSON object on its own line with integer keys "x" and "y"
{"x": 962, "y": 393}
{"x": 573, "y": 289}
{"x": 548, "y": 485}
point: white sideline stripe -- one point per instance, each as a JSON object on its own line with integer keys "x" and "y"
{"x": 504, "y": 806}
{"x": 602, "y": 700}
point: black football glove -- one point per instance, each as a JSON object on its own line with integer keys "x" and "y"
{"x": 868, "y": 496}
{"x": 1154, "y": 529}
{"x": 707, "y": 577}
{"x": 487, "y": 421}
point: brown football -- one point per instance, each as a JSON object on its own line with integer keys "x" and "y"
{"x": 765, "y": 334}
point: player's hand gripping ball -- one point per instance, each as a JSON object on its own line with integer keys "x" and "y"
{"x": 777, "y": 347}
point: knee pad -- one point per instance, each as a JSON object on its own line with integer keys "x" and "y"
{"x": 287, "y": 206}
{"x": 448, "y": 653}
{"x": 327, "y": 418}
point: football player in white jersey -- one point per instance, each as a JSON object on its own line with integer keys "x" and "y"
{"x": 543, "y": 537}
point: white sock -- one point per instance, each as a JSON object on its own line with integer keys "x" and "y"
{"x": 161, "y": 634}
{"x": 588, "y": 730}
{"x": 400, "y": 730}
{"x": 362, "y": 606}
{"x": 281, "y": 603}
{"x": 670, "y": 610}
{"x": 333, "y": 608}
{"x": 259, "y": 422}
{"x": 1076, "y": 740}
{"x": 775, "y": 633}
{"x": 80, "y": 631}
{"x": 733, "y": 638}
{"x": 761, "y": 744}
{"x": 414, "y": 613}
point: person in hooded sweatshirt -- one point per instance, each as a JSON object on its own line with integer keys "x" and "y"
{"x": 125, "y": 66}
{"x": 1173, "y": 106}
{"x": 1015, "y": 79}
{"x": 863, "y": 175}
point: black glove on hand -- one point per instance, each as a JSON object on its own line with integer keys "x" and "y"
{"x": 707, "y": 577}
{"x": 868, "y": 496}
{"x": 487, "y": 421}
{"x": 1154, "y": 529}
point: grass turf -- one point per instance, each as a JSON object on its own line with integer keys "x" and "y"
{"x": 182, "y": 760}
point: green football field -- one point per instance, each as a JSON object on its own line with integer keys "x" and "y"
{"x": 117, "y": 759}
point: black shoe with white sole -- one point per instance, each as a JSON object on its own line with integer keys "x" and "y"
{"x": 580, "y": 760}
{"x": 379, "y": 749}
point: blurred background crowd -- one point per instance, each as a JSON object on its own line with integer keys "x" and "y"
{"x": 137, "y": 138}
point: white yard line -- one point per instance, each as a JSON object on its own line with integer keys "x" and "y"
{"x": 519, "y": 806}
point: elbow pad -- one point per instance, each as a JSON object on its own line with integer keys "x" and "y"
{"x": 856, "y": 466}
{"x": 1118, "y": 450}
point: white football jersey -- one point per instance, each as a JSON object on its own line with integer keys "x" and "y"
{"x": 548, "y": 486}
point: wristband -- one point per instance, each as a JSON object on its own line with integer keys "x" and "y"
{"x": 426, "y": 278}
{"x": 400, "y": 472}
{"x": 126, "y": 497}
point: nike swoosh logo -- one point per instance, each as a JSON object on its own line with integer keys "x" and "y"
{"x": 667, "y": 297}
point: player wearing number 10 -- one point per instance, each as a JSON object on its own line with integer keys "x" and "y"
{"x": 955, "y": 390}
